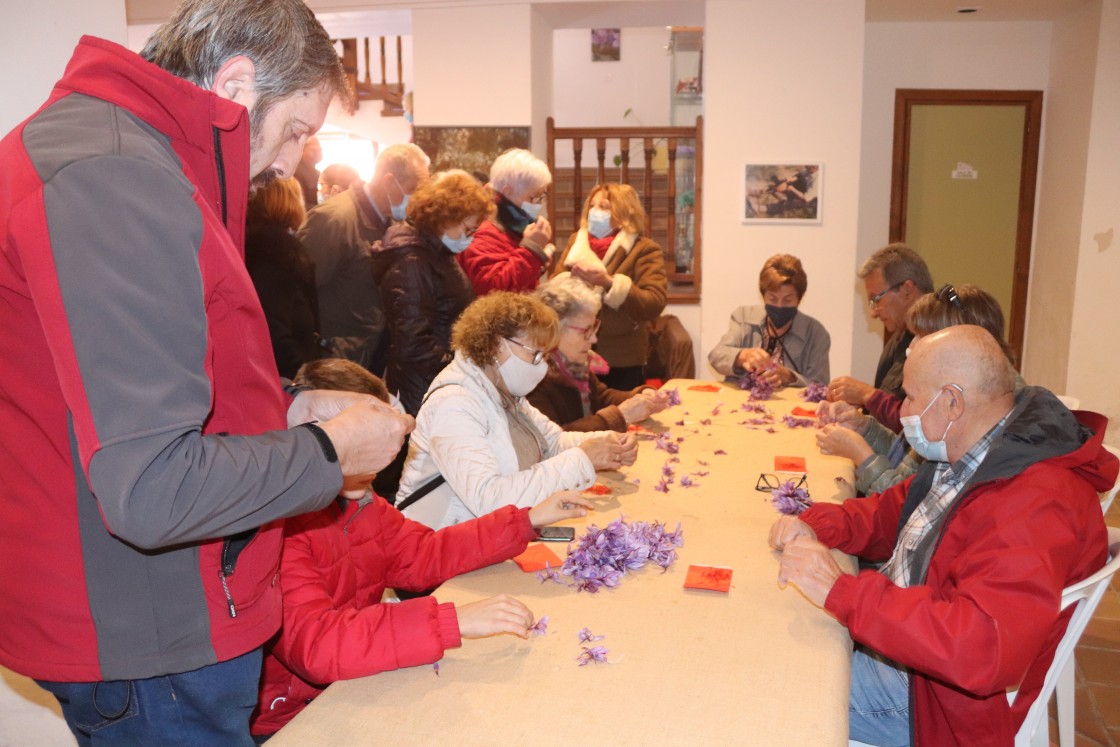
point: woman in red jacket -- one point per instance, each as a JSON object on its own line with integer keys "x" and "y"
{"x": 337, "y": 563}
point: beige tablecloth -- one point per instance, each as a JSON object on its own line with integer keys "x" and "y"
{"x": 757, "y": 666}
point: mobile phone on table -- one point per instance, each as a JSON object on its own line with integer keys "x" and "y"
{"x": 557, "y": 534}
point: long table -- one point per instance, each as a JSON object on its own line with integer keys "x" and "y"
{"x": 759, "y": 665}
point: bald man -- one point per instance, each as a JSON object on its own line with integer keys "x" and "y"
{"x": 978, "y": 544}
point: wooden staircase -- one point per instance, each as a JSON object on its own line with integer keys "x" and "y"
{"x": 391, "y": 95}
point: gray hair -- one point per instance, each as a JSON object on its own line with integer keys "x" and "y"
{"x": 402, "y": 160}
{"x": 519, "y": 170}
{"x": 898, "y": 263}
{"x": 568, "y": 296}
{"x": 288, "y": 47}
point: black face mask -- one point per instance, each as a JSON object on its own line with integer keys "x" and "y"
{"x": 781, "y": 315}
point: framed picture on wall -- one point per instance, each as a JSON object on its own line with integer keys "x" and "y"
{"x": 782, "y": 193}
{"x": 606, "y": 45}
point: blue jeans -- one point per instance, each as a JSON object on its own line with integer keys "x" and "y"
{"x": 207, "y": 706}
{"x": 879, "y": 706}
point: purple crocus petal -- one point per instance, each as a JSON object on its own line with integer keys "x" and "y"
{"x": 720, "y": 452}
{"x": 586, "y": 636}
{"x": 667, "y": 470}
{"x": 674, "y": 396}
{"x": 702, "y": 463}
{"x": 435, "y": 667}
{"x": 637, "y": 481}
{"x": 540, "y": 627}
{"x": 771, "y": 430}
{"x": 687, "y": 482}
{"x": 661, "y": 487}
{"x": 793, "y": 422}
{"x": 701, "y": 473}
{"x": 706, "y": 421}
{"x": 679, "y": 422}
{"x": 789, "y": 499}
{"x": 815, "y": 391}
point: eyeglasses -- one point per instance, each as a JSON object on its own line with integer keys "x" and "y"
{"x": 538, "y": 355}
{"x": 539, "y": 198}
{"x": 948, "y": 294}
{"x": 768, "y": 481}
{"x": 873, "y": 301}
{"x": 587, "y": 332}
{"x": 469, "y": 230}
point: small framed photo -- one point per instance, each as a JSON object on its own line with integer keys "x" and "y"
{"x": 782, "y": 193}
{"x": 606, "y": 45}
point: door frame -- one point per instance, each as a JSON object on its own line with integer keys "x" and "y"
{"x": 904, "y": 100}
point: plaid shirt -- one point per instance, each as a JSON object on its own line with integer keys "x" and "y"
{"x": 911, "y": 552}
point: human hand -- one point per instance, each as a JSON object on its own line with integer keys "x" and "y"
{"x": 611, "y": 451}
{"x": 836, "y": 440}
{"x": 539, "y": 232}
{"x": 635, "y": 409}
{"x": 786, "y": 529}
{"x": 498, "y": 614}
{"x": 563, "y": 504}
{"x": 847, "y": 389}
{"x": 366, "y": 436}
{"x": 593, "y": 273}
{"x": 658, "y": 399}
{"x": 752, "y": 359}
{"x": 776, "y": 376}
{"x": 809, "y": 566}
{"x": 315, "y": 405}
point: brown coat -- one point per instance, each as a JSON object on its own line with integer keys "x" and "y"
{"x": 624, "y": 336}
{"x": 560, "y": 402}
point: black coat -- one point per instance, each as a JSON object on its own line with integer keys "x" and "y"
{"x": 284, "y": 277}
{"x": 423, "y": 292}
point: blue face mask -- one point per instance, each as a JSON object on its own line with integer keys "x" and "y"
{"x": 780, "y": 315}
{"x": 400, "y": 210}
{"x": 599, "y": 223}
{"x": 934, "y": 451}
{"x": 457, "y": 246}
{"x": 532, "y": 209}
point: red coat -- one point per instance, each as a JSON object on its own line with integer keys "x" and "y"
{"x": 495, "y": 260}
{"x": 336, "y": 565}
{"x": 986, "y": 619}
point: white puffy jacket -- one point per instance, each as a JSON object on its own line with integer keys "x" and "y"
{"x": 463, "y": 434}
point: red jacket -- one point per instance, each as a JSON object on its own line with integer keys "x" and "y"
{"x": 986, "y": 619}
{"x": 496, "y": 260}
{"x": 144, "y": 434}
{"x": 337, "y": 563}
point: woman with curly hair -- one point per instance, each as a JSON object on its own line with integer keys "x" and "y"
{"x": 613, "y": 253}
{"x": 423, "y": 290}
{"x": 478, "y": 443}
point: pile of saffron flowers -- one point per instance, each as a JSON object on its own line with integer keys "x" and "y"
{"x": 789, "y": 499}
{"x": 602, "y": 556}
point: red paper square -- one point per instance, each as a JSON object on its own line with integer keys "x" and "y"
{"x": 538, "y": 557}
{"x": 708, "y": 577}
{"x": 804, "y": 412}
{"x": 789, "y": 464}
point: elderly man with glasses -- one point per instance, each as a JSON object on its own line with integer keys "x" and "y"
{"x": 894, "y": 277}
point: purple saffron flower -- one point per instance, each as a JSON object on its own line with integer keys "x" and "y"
{"x": 720, "y": 452}
{"x": 435, "y": 667}
{"x": 665, "y": 442}
{"x": 637, "y": 481}
{"x": 790, "y": 500}
{"x": 771, "y": 430}
{"x": 715, "y": 410}
{"x": 701, "y": 472}
{"x": 667, "y": 471}
{"x": 793, "y": 422}
{"x": 549, "y": 574}
{"x": 815, "y": 391}
{"x": 586, "y": 636}
{"x": 590, "y": 654}
{"x": 679, "y": 422}
{"x": 687, "y": 482}
{"x": 674, "y": 396}
{"x": 662, "y": 487}
{"x": 540, "y": 627}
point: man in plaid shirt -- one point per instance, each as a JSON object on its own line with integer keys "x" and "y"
{"x": 978, "y": 544}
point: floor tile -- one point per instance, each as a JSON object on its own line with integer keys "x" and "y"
{"x": 1099, "y": 665}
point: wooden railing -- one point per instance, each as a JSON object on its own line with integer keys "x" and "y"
{"x": 670, "y": 195}
{"x": 391, "y": 94}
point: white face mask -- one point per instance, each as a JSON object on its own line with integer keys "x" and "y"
{"x": 934, "y": 451}
{"x": 599, "y": 223}
{"x": 400, "y": 210}
{"x": 521, "y": 377}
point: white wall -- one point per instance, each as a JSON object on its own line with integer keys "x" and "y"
{"x": 925, "y": 55}
{"x": 1061, "y": 190}
{"x": 783, "y": 83}
{"x": 1094, "y": 358}
{"x": 37, "y": 39}
{"x": 460, "y": 68}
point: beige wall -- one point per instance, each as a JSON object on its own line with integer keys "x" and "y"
{"x": 1094, "y": 353}
{"x": 35, "y": 47}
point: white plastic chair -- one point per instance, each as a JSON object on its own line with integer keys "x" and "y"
{"x": 1106, "y": 498}
{"x": 1035, "y": 731}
